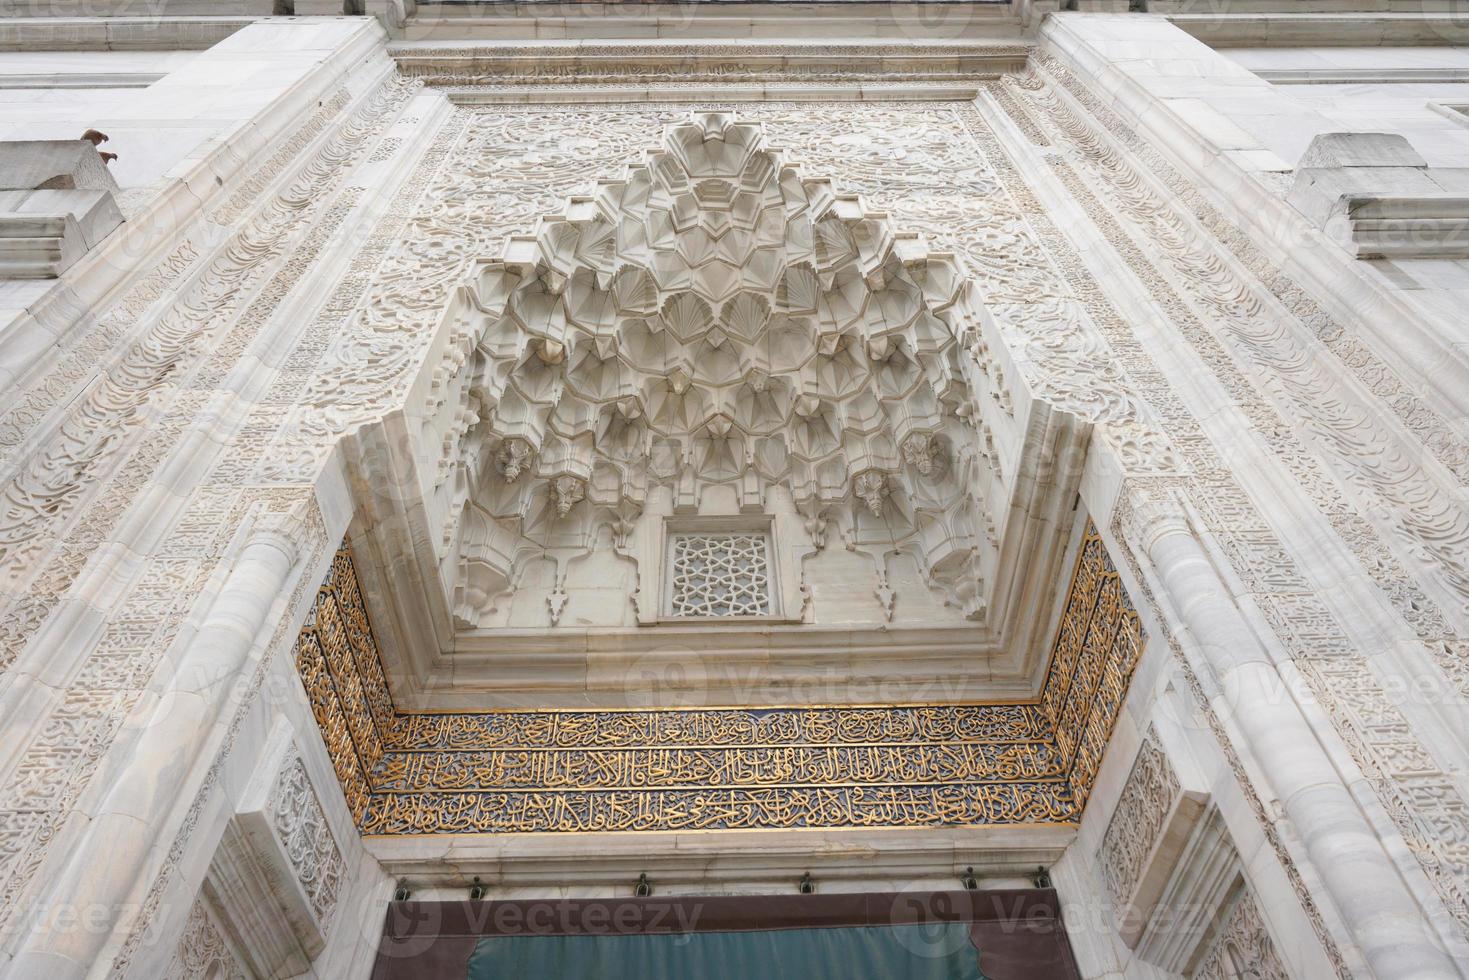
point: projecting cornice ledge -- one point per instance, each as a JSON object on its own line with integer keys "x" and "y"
{"x": 1294, "y": 28}
{"x": 559, "y": 70}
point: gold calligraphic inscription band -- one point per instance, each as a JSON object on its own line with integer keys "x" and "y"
{"x": 725, "y": 768}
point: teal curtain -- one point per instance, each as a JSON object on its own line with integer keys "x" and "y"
{"x": 935, "y": 951}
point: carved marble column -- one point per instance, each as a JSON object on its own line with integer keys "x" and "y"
{"x": 1385, "y": 921}
{"x": 160, "y": 752}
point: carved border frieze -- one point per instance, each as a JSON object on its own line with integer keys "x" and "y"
{"x": 1417, "y": 793}
{"x": 676, "y": 769}
{"x": 111, "y": 444}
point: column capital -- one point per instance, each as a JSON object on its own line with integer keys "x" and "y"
{"x": 283, "y": 530}
{"x": 1147, "y": 517}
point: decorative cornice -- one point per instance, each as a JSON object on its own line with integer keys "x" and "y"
{"x": 149, "y": 32}
{"x": 552, "y": 64}
{"x": 1317, "y": 28}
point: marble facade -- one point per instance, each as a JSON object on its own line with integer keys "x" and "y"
{"x": 346, "y": 416}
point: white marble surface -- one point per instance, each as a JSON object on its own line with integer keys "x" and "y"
{"x": 1371, "y": 106}
{"x": 192, "y": 140}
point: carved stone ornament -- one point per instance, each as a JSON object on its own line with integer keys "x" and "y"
{"x": 276, "y": 873}
{"x": 202, "y": 950}
{"x": 711, "y": 769}
{"x": 513, "y": 457}
{"x": 716, "y": 320}
{"x": 1243, "y": 949}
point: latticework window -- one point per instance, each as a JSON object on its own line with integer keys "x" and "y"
{"x": 719, "y": 574}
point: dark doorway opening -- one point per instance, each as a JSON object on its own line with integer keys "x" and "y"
{"x": 949, "y": 935}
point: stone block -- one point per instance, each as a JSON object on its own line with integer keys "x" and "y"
{"x": 55, "y": 204}
{"x": 1333, "y": 150}
{"x": 1373, "y": 193}
{"x": 43, "y": 232}
{"x": 53, "y": 165}
{"x": 275, "y": 874}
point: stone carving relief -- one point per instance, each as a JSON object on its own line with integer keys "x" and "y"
{"x": 107, "y": 439}
{"x": 202, "y": 950}
{"x": 1172, "y": 873}
{"x": 719, "y": 574}
{"x": 1418, "y": 505}
{"x": 98, "y": 428}
{"x": 50, "y": 486}
{"x": 718, "y": 321}
{"x": 492, "y": 173}
{"x": 668, "y": 769}
{"x": 1149, "y": 794}
{"x": 301, "y": 826}
{"x": 273, "y": 881}
{"x": 1417, "y": 793}
{"x": 711, "y": 319}
{"x": 1242, "y": 949}
{"x": 966, "y": 196}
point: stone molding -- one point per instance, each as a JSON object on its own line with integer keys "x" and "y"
{"x": 468, "y": 71}
{"x": 724, "y": 23}
{"x": 1207, "y": 881}
{"x": 118, "y": 33}
{"x": 729, "y": 862}
{"x": 56, "y": 203}
{"x": 1374, "y": 195}
{"x": 1292, "y": 28}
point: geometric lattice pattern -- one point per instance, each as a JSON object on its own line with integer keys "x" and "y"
{"x": 661, "y": 769}
{"x": 719, "y": 575}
